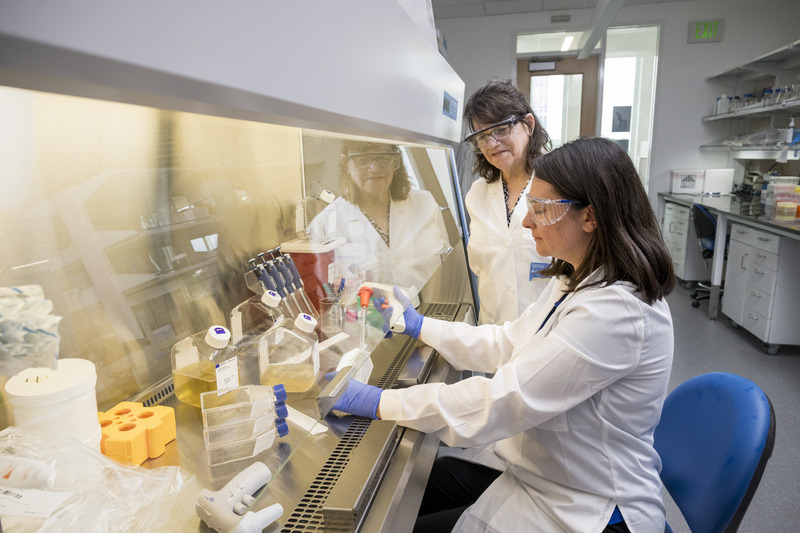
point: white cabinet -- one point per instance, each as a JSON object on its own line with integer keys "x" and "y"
{"x": 682, "y": 243}
{"x": 761, "y": 285}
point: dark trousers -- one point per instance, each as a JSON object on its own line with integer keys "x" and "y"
{"x": 453, "y": 486}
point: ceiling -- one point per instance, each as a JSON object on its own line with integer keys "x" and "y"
{"x": 450, "y": 9}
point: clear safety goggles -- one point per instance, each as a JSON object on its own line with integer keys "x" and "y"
{"x": 545, "y": 212}
{"x": 381, "y": 160}
{"x": 499, "y": 132}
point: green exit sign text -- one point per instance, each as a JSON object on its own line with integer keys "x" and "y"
{"x": 705, "y": 31}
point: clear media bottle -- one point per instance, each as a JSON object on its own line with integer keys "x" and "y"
{"x": 256, "y": 315}
{"x": 203, "y": 362}
{"x": 289, "y": 354}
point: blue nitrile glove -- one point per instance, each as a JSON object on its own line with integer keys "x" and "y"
{"x": 382, "y": 306}
{"x": 358, "y": 398}
{"x": 412, "y": 319}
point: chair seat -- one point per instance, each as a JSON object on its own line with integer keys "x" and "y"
{"x": 714, "y": 438}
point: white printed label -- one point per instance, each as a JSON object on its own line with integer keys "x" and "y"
{"x": 228, "y": 374}
{"x": 30, "y": 502}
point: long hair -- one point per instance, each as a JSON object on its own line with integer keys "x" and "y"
{"x": 627, "y": 243}
{"x": 494, "y": 102}
{"x": 400, "y": 187}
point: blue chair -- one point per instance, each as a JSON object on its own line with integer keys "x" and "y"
{"x": 715, "y": 437}
{"x": 705, "y": 227}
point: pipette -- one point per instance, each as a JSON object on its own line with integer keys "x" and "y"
{"x": 287, "y": 260}
{"x": 364, "y": 294}
{"x": 286, "y": 276}
{"x": 280, "y": 287}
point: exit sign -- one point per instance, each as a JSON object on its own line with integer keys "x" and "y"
{"x": 705, "y": 31}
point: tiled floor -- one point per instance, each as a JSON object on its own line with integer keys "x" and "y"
{"x": 704, "y": 345}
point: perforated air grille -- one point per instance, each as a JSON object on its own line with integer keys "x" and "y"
{"x": 442, "y": 311}
{"x": 307, "y": 516}
{"x": 158, "y": 394}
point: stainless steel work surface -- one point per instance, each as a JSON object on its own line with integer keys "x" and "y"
{"x": 344, "y": 474}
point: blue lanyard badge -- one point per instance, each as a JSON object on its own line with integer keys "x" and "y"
{"x": 553, "y": 310}
{"x": 535, "y": 268}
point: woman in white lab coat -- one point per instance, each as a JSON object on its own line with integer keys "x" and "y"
{"x": 506, "y": 137}
{"x": 579, "y": 379}
{"x": 395, "y": 233}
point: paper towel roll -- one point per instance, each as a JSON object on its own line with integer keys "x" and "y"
{"x": 59, "y": 401}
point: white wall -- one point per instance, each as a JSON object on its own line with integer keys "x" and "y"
{"x": 481, "y": 47}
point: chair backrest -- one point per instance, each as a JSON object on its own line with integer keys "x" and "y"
{"x": 715, "y": 436}
{"x": 705, "y": 227}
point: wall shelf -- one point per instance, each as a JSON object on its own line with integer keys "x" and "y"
{"x": 751, "y": 152}
{"x": 767, "y": 65}
{"x": 755, "y": 111}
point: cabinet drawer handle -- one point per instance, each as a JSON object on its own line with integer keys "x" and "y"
{"x": 752, "y": 317}
{"x": 764, "y": 239}
{"x": 759, "y": 272}
{"x": 743, "y": 263}
{"x": 755, "y": 294}
{"x": 761, "y": 257}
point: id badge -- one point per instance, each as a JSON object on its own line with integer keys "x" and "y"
{"x": 535, "y": 268}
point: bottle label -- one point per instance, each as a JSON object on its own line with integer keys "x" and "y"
{"x": 227, "y": 373}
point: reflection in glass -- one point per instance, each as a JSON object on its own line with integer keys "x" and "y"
{"x": 387, "y": 230}
{"x": 139, "y": 223}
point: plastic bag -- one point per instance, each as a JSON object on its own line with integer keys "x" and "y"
{"x": 105, "y": 496}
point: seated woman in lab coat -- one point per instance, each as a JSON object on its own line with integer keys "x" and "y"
{"x": 579, "y": 378}
{"x": 383, "y": 218}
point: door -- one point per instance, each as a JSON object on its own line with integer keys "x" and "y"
{"x": 564, "y": 98}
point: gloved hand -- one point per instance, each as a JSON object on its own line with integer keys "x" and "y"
{"x": 412, "y": 319}
{"x": 358, "y": 398}
{"x": 382, "y": 306}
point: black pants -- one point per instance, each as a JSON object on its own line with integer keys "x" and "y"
{"x": 453, "y": 486}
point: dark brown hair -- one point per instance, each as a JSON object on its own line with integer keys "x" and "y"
{"x": 495, "y": 102}
{"x": 627, "y": 243}
{"x": 400, "y": 186}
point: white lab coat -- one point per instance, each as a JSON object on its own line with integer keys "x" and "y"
{"x": 417, "y": 238}
{"x": 501, "y": 255}
{"x": 571, "y": 410}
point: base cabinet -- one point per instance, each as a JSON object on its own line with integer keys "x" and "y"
{"x": 761, "y": 285}
{"x": 682, "y": 243}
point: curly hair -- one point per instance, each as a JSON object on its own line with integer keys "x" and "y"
{"x": 400, "y": 186}
{"x": 494, "y": 102}
{"x": 628, "y": 244}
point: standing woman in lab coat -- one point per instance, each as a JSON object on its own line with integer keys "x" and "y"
{"x": 579, "y": 379}
{"x": 507, "y": 138}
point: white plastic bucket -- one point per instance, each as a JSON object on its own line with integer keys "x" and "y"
{"x": 60, "y": 400}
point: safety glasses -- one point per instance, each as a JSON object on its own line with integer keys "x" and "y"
{"x": 499, "y": 132}
{"x": 380, "y": 160}
{"x": 546, "y": 212}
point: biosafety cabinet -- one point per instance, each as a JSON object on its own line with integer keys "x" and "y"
{"x": 153, "y": 153}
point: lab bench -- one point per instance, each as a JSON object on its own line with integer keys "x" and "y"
{"x": 338, "y": 473}
{"x": 759, "y": 266}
